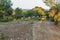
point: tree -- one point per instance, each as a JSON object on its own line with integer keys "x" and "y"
{"x": 54, "y": 12}
{"x": 18, "y": 12}
{"x": 40, "y": 10}
{"x": 5, "y": 8}
{"x": 51, "y": 2}
{"x": 29, "y": 13}
{"x": 47, "y": 14}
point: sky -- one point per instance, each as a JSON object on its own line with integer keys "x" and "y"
{"x": 28, "y": 4}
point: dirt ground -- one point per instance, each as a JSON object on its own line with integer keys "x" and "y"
{"x": 46, "y": 30}
{"x": 29, "y": 30}
{"x": 17, "y": 30}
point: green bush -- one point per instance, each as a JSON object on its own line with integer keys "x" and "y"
{"x": 2, "y": 36}
{"x": 5, "y": 20}
{"x": 55, "y": 22}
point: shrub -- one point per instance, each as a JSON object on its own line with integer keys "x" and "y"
{"x": 2, "y": 36}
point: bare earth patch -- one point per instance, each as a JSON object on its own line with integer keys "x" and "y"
{"x": 17, "y": 30}
{"x": 29, "y": 30}
{"x": 46, "y": 31}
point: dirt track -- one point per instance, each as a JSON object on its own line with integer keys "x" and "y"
{"x": 46, "y": 31}
{"x": 17, "y": 31}
{"x": 28, "y": 31}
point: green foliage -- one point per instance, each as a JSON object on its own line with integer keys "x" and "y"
{"x": 5, "y": 20}
{"x": 51, "y": 2}
{"x": 56, "y": 22}
{"x": 2, "y": 36}
{"x": 31, "y": 13}
{"x": 5, "y": 8}
{"x": 18, "y": 12}
{"x": 37, "y": 13}
{"x": 47, "y": 15}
